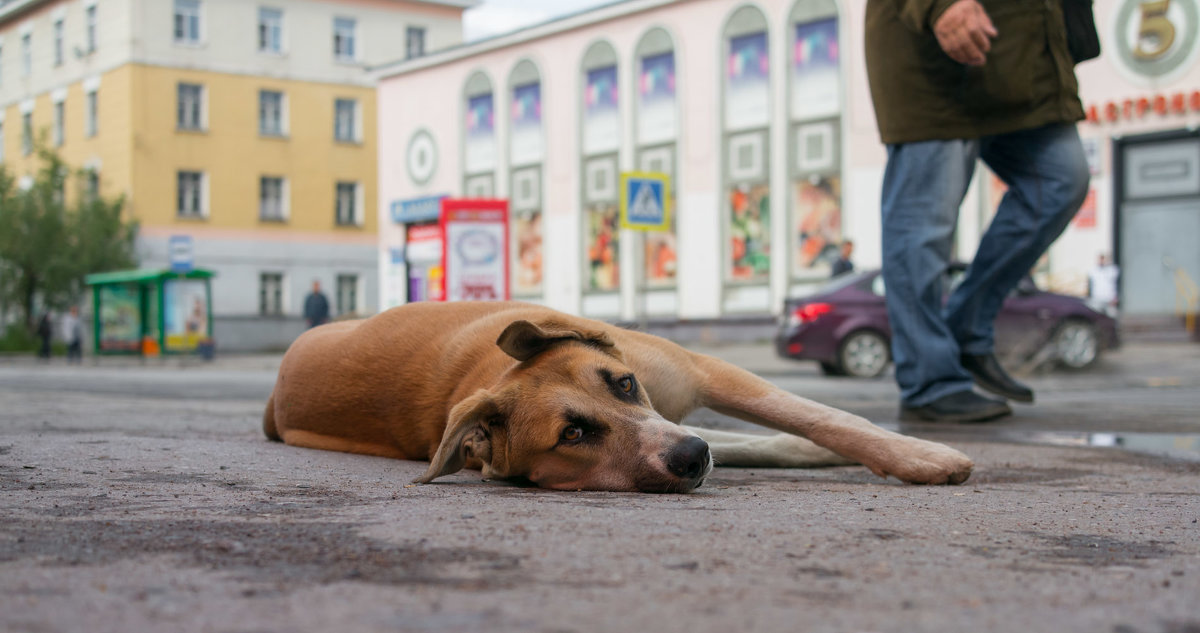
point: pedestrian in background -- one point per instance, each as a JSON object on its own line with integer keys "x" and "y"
{"x": 1102, "y": 283}
{"x": 45, "y": 332}
{"x": 843, "y": 264}
{"x": 72, "y": 331}
{"x": 316, "y": 306}
{"x": 953, "y": 82}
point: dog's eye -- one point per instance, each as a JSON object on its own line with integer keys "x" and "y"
{"x": 572, "y": 434}
{"x": 626, "y": 384}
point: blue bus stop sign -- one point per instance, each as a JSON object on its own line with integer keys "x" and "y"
{"x": 179, "y": 253}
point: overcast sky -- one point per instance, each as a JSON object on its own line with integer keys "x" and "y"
{"x": 494, "y": 17}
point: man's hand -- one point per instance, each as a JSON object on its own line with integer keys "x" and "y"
{"x": 964, "y": 31}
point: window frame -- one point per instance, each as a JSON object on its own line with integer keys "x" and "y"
{"x": 90, "y": 21}
{"x": 340, "y": 39}
{"x": 351, "y": 281}
{"x": 280, "y": 129}
{"x": 338, "y": 128}
{"x": 60, "y": 123}
{"x": 26, "y": 54}
{"x": 266, "y": 24}
{"x": 92, "y": 113}
{"x": 280, "y": 212}
{"x": 59, "y": 55}
{"x": 26, "y": 133}
{"x": 409, "y": 33}
{"x": 354, "y": 189}
{"x": 198, "y": 196}
{"x": 198, "y": 108}
{"x": 277, "y": 286}
{"x": 192, "y": 14}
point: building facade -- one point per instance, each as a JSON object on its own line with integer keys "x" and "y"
{"x": 247, "y": 126}
{"x": 761, "y": 114}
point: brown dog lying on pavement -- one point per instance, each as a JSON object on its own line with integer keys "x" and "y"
{"x": 525, "y": 392}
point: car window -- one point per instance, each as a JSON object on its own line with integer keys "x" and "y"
{"x": 839, "y": 282}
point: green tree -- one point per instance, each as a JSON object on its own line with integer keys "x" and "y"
{"x": 48, "y": 246}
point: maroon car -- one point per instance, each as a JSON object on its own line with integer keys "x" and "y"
{"x": 845, "y": 326}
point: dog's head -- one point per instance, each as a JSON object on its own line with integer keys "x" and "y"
{"x": 571, "y": 416}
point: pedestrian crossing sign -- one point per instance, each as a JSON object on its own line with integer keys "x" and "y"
{"x": 645, "y": 201}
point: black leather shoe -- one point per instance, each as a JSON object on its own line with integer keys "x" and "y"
{"x": 988, "y": 374}
{"x": 962, "y": 406}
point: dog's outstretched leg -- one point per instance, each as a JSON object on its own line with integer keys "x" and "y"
{"x": 733, "y": 391}
{"x": 779, "y": 450}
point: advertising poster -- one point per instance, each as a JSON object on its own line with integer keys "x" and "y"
{"x": 423, "y": 255}
{"x": 749, "y": 230}
{"x": 119, "y": 326}
{"x": 525, "y": 141}
{"x": 527, "y": 249}
{"x": 818, "y": 225}
{"x": 748, "y": 90}
{"x": 481, "y": 134}
{"x": 185, "y": 313}
{"x": 815, "y": 70}
{"x": 601, "y": 122}
{"x": 475, "y": 249}
{"x": 656, "y": 99}
{"x": 661, "y": 256}
{"x": 603, "y": 246}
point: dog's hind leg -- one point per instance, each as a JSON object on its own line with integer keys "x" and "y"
{"x": 780, "y": 450}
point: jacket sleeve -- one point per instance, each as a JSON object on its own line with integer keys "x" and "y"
{"x": 919, "y": 15}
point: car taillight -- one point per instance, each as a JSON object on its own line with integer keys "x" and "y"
{"x": 810, "y": 312}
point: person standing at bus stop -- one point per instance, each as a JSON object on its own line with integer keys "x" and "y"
{"x": 954, "y": 81}
{"x": 316, "y": 306}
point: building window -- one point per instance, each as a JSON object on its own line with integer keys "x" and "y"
{"x": 60, "y": 118}
{"x": 190, "y": 194}
{"x": 345, "y": 120}
{"x": 90, "y": 36}
{"x": 343, "y": 39}
{"x": 191, "y": 107}
{"x": 92, "y": 185}
{"x": 347, "y": 294}
{"x": 93, "y": 114}
{"x": 270, "y": 30}
{"x": 26, "y": 54}
{"x": 187, "y": 21}
{"x": 271, "y": 204}
{"x": 270, "y": 293}
{"x": 414, "y": 42}
{"x": 270, "y": 113}
{"x": 347, "y": 204}
{"x": 58, "y": 42}
{"x": 27, "y": 133}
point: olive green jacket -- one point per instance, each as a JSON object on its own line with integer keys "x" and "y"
{"x": 921, "y": 94}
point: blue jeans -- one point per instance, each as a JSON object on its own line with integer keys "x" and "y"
{"x": 923, "y": 187}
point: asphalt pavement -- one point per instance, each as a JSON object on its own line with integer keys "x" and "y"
{"x": 142, "y": 497}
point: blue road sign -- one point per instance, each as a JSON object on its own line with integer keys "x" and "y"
{"x": 645, "y": 200}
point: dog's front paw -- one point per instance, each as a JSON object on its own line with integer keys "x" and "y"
{"x": 920, "y": 462}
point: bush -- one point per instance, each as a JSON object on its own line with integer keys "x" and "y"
{"x": 17, "y": 339}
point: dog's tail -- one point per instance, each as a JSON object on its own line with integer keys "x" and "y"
{"x": 269, "y": 421}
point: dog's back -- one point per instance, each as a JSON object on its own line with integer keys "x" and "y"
{"x": 387, "y": 382}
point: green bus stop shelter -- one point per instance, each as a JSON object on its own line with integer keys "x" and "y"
{"x": 148, "y": 311}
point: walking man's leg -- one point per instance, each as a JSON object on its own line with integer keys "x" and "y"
{"x": 923, "y": 187}
{"x": 1047, "y": 175}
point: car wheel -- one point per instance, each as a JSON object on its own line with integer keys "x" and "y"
{"x": 1076, "y": 344}
{"x": 864, "y": 354}
{"x": 831, "y": 369}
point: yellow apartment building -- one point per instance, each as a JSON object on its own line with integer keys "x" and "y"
{"x": 246, "y": 126}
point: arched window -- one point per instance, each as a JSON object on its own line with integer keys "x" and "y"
{"x": 746, "y": 85}
{"x": 657, "y": 129}
{"x": 601, "y": 140}
{"x": 526, "y": 153}
{"x": 479, "y": 137}
{"x": 814, "y": 138}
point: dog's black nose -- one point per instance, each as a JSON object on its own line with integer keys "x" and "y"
{"x": 689, "y": 458}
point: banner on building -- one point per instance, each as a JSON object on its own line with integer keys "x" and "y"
{"x": 475, "y": 249}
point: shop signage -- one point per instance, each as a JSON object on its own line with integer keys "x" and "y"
{"x": 1155, "y": 41}
{"x": 1143, "y": 106}
{"x": 475, "y": 249}
{"x": 424, "y": 209}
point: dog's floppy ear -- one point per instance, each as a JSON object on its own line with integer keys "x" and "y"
{"x": 523, "y": 340}
{"x": 467, "y": 435}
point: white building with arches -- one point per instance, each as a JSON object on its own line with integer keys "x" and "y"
{"x": 760, "y": 113}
